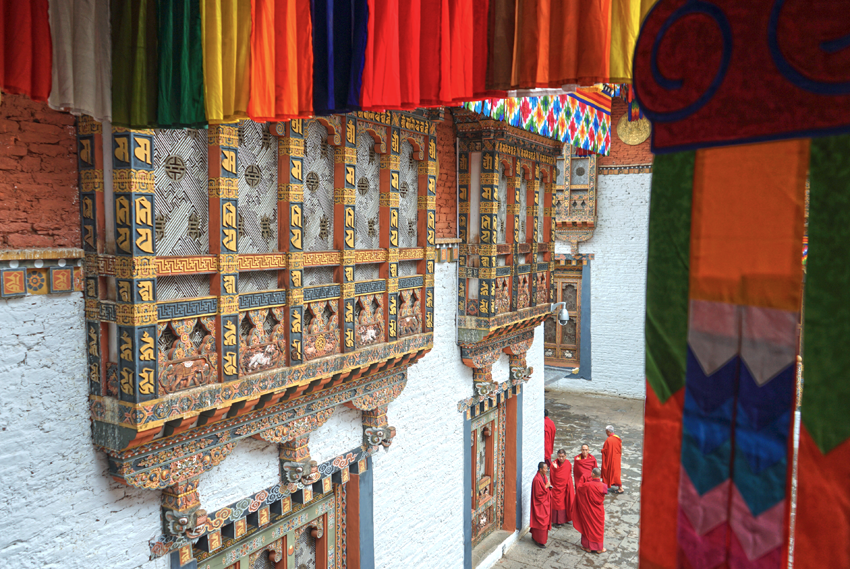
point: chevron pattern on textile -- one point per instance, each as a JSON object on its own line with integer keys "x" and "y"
{"x": 182, "y": 199}
{"x": 736, "y": 423}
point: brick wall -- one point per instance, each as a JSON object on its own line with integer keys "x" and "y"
{"x": 622, "y": 153}
{"x": 447, "y": 179}
{"x": 38, "y": 176}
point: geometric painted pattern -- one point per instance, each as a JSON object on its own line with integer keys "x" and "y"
{"x": 318, "y": 189}
{"x": 257, "y": 162}
{"x": 408, "y": 196}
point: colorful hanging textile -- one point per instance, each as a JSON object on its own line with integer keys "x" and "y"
{"x": 281, "y": 60}
{"x": 226, "y": 28}
{"x": 134, "y": 63}
{"x": 27, "y": 51}
{"x": 724, "y": 291}
{"x": 791, "y": 53}
{"x": 180, "y": 102}
{"x": 381, "y": 74}
{"x": 582, "y": 118}
{"x": 823, "y": 467}
{"x": 82, "y": 56}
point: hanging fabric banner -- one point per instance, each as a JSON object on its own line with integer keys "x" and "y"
{"x": 134, "y": 63}
{"x": 82, "y": 56}
{"x": 180, "y": 97}
{"x": 226, "y": 26}
{"x": 731, "y": 72}
{"x": 724, "y": 390}
{"x": 582, "y": 118}
{"x": 27, "y": 52}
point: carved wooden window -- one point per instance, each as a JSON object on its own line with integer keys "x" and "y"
{"x": 318, "y": 189}
{"x": 562, "y": 343}
{"x": 407, "y": 268}
{"x": 257, "y": 188}
{"x": 485, "y": 476}
{"x": 256, "y": 281}
{"x": 540, "y": 237}
{"x": 182, "y": 198}
{"x": 408, "y": 196}
{"x": 305, "y": 551}
{"x": 176, "y": 287}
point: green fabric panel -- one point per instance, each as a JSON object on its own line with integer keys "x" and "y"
{"x": 667, "y": 272}
{"x": 826, "y": 373}
{"x": 181, "y": 65}
{"x": 134, "y": 63}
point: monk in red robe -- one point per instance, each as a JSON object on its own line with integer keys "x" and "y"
{"x": 583, "y": 463}
{"x": 612, "y": 455}
{"x": 589, "y": 518}
{"x": 549, "y": 432}
{"x": 563, "y": 495}
{"x": 541, "y": 505}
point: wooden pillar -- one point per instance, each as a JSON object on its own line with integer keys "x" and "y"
{"x": 291, "y": 231}
{"x": 389, "y": 228}
{"x": 489, "y": 219}
{"x": 223, "y": 165}
{"x": 93, "y": 228}
{"x": 135, "y": 263}
{"x": 345, "y": 160}
{"x": 463, "y": 227}
{"x": 427, "y": 223}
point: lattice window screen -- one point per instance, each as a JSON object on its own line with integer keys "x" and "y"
{"x": 367, "y": 272}
{"x": 256, "y": 281}
{"x": 560, "y": 166}
{"x": 408, "y": 196}
{"x": 263, "y": 562}
{"x": 318, "y": 276}
{"x": 580, "y": 174}
{"x": 257, "y": 188}
{"x": 318, "y": 189}
{"x": 503, "y": 205}
{"x": 407, "y": 268}
{"x": 367, "y": 201}
{"x": 182, "y": 200}
{"x": 182, "y": 286}
{"x": 523, "y": 204}
{"x": 305, "y": 551}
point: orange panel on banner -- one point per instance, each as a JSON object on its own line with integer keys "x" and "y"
{"x": 745, "y": 200}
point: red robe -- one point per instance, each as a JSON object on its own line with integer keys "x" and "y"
{"x": 563, "y": 495}
{"x": 612, "y": 453}
{"x": 549, "y": 441}
{"x": 589, "y": 518}
{"x": 541, "y": 509}
{"x": 583, "y": 466}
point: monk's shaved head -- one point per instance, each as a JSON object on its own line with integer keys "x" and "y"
{"x": 582, "y": 447}
{"x": 596, "y": 473}
{"x": 562, "y": 451}
{"x": 541, "y": 465}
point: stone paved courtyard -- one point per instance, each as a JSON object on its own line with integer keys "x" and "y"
{"x": 582, "y": 419}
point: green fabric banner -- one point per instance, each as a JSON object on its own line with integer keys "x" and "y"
{"x": 667, "y": 272}
{"x": 826, "y": 390}
{"x": 134, "y": 63}
{"x": 181, "y": 65}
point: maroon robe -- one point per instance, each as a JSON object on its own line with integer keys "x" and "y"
{"x": 563, "y": 495}
{"x": 583, "y": 467}
{"x": 612, "y": 455}
{"x": 541, "y": 509}
{"x": 549, "y": 441}
{"x": 589, "y": 518}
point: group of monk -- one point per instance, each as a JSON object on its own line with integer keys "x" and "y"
{"x": 554, "y": 500}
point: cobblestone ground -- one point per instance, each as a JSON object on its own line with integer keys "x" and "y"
{"x": 582, "y": 419}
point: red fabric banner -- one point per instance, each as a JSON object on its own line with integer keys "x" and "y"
{"x": 27, "y": 48}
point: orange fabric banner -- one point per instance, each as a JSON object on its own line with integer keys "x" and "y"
{"x": 734, "y": 232}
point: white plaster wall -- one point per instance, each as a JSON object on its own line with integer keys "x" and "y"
{"x": 617, "y": 288}
{"x": 418, "y": 482}
{"x": 342, "y": 433}
{"x": 58, "y": 508}
{"x": 251, "y": 467}
{"x": 532, "y": 418}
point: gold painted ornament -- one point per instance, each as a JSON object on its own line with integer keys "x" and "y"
{"x": 633, "y": 132}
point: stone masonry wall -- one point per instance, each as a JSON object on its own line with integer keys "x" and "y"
{"x": 447, "y": 178}
{"x": 617, "y": 287}
{"x": 39, "y": 203}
